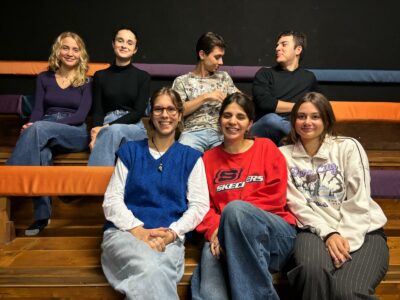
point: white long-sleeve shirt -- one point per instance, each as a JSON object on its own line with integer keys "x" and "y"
{"x": 118, "y": 213}
{"x": 330, "y": 192}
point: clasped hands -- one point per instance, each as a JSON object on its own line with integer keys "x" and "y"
{"x": 156, "y": 238}
{"x": 339, "y": 249}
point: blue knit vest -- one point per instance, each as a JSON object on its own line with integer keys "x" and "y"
{"x": 156, "y": 198}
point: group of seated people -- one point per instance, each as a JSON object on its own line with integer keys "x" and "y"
{"x": 209, "y": 161}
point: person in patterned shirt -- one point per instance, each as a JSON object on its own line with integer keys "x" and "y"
{"x": 203, "y": 91}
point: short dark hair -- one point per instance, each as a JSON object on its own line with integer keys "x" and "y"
{"x": 326, "y": 113}
{"x": 244, "y": 101}
{"x": 208, "y": 41}
{"x": 300, "y": 39}
{"x": 129, "y": 29}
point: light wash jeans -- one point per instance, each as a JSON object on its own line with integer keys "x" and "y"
{"x": 139, "y": 272}
{"x": 35, "y": 147}
{"x": 256, "y": 243}
{"x": 202, "y": 139}
{"x": 272, "y": 126}
{"x": 112, "y": 137}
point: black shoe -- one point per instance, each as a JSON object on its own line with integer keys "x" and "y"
{"x": 36, "y": 227}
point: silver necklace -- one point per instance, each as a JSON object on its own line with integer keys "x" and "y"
{"x": 160, "y": 166}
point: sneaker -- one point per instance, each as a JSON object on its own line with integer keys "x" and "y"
{"x": 36, "y": 227}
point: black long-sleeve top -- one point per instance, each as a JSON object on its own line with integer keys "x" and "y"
{"x": 120, "y": 88}
{"x": 273, "y": 84}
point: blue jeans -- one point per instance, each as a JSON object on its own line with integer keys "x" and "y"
{"x": 272, "y": 126}
{"x": 36, "y": 145}
{"x": 139, "y": 272}
{"x": 256, "y": 243}
{"x": 112, "y": 137}
{"x": 202, "y": 139}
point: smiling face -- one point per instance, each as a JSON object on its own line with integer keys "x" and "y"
{"x": 234, "y": 122}
{"x": 124, "y": 45}
{"x": 309, "y": 125}
{"x": 212, "y": 61}
{"x": 69, "y": 53}
{"x": 165, "y": 115}
{"x": 286, "y": 51}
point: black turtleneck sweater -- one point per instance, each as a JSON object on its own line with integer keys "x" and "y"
{"x": 120, "y": 88}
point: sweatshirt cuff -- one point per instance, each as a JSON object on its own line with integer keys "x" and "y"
{"x": 210, "y": 232}
{"x": 324, "y": 230}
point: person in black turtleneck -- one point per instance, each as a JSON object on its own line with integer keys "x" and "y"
{"x": 277, "y": 89}
{"x": 120, "y": 97}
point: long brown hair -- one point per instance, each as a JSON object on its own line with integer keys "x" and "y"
{"x": 325, "y": 110}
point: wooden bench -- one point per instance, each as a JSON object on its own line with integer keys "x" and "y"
{"x": 64, "y": 261}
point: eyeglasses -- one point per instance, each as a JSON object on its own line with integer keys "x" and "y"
{"x": 158, "y": 111}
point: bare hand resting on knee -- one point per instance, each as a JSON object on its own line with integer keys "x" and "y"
{"x": 338, "y": 248}
{"x": 215, "y": 247}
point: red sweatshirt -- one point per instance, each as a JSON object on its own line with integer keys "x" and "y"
{"x": 257, "y": 176}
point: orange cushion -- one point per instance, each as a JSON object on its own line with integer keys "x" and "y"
{"x": 356, "y": 111}
{"x": 53, "y": 180}
{"x": 33, "y": 68}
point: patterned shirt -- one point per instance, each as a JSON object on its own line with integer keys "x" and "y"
{"x": 190, "y": 86}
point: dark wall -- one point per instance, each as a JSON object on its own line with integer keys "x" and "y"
{"x": 342, "y": 34}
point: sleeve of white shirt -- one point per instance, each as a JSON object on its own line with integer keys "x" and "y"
{"x": 114, "y": 206}
{"x": 198, "y": 201}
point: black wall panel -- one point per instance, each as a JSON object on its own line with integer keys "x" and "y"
{"x": 351, "y": 34}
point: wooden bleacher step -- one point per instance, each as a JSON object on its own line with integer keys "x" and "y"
{"x": 42, "y": 266}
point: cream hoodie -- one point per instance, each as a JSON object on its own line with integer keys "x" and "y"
{"x": 331, "y": 191}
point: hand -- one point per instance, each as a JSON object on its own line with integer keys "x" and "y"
{"x": 25, "y": 126}
{"x": 215, "y": 247}
{"x": 167, "y": 234}
{"x": 338, "y": 248}
{"x": 93, "y": 134}
{"x": 154, "y": 238}
{"x": 215, "y": 96}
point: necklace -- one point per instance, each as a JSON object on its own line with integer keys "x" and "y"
{"x": 65, "y": 79}
{"x": 160, "y": 166}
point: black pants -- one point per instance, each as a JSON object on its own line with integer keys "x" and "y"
{"x": 315, "y": 277}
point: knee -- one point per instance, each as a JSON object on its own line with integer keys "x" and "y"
{"x": 343, "y": 290}
{"x": 38, "y": 126}
{"x": 311, "y": 269}
{"x": 234, "y": 213}
{"x": 110, "y": 133}
{"x": 268, "y": 123}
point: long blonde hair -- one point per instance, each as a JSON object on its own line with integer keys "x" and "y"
{"x": 80, "y": 77}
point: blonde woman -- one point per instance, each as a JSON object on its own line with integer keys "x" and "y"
{"x": 63, "y": 99}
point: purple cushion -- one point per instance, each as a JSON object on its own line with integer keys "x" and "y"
{"x": 385, "y": 183}
{"x": 10, "y": 104}
{"x": 241, "y": 73}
